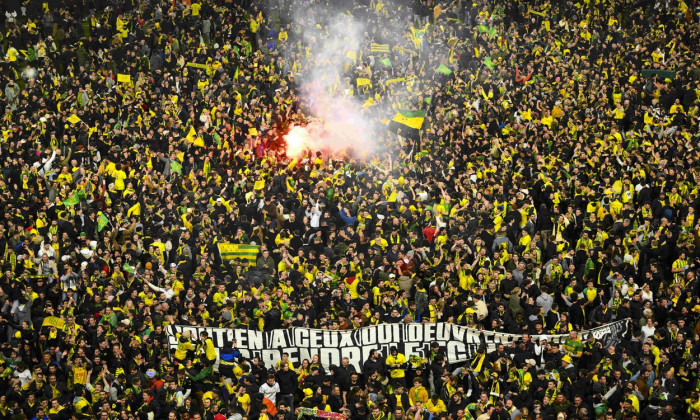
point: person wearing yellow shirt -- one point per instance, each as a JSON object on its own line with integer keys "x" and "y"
{"x": 243, "y": 399}
{"x": 220, "y": 295}
{"x": 184, "y": 345}
{"x": 525, "y": 240}
{"x": 55, "y": 409}
{"x": 283, "y": 35}
{"x": 195, "y": 8}
{"x": 119, "y": 177}
{"x": 208, "y": 347}
{"x": 147, "y": 297}
{"x": 377, "y": 413}
{"x": 678, "y": 268}
{"x": 435, "y": 405}
{"x": 285, "y": 359}
{"x": 379, "y": 241}
{"x": 396, "y": 365}
{"x": 11, "y": 54}
{"x": 65, "y": 177}
{"x": 418, "y": 393}
{"x": 585, "y": 243}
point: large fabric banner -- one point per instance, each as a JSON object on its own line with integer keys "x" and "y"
{"x": 460, "y": 343}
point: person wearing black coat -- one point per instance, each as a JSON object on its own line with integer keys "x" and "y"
{"x": 288, "y": 381}
{"x": 398, "y": 399}
{"x": 577, "y": 316}
{"x": 373, "y": 364}
{"x": 457, "y": 402}
{"x": 341, "y": 377}
{"x": 601, "y": 315}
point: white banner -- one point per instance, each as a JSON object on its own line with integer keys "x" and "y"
{"x": 460, "y": 343}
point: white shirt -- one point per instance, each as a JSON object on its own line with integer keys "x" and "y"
{"x": 314, "y": 216}
{"x": 23, "y": 376}
{"x": 169, "y": 293}
{"x": 270, "y": 392}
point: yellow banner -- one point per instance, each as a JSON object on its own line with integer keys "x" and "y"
{"x": 123, "y": 78}
{"x": 53, "y": 321}
{"x": 397, "y": 80}
{"x": 197, "y": 65}
{"x": 74, "y": 119}
{"x": 79, "y": 375}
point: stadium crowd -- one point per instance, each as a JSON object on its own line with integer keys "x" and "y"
{"x": 554, "y": 188}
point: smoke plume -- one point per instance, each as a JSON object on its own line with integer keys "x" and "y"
{"x": 338, "y": 121}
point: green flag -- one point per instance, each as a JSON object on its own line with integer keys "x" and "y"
{"x": 386, "y": 62}
{"x": 129, "y": 269}
{"x": 444, "y": 70}
{"x": 229, "y": 251}
{"x": 74, "y": 199}
{"x": 488, "y": 63}
{"x": 490, "y": 31}
{"x": 176, "y": 167}
{"x": 408, "y": 123}
{"x": 664, "y": 74}
{"x": 102, "y": 222}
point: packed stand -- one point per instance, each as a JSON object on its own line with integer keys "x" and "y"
{"x": 554, "y": 188}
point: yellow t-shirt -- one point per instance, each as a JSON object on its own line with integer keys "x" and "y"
{"x": 399, "y": 359}
{"x": 182, "y": 349}
{"x": 436, "y": 408}
{"x": 209, "y": 349}
{"x": 119, "y": 177}
{"x": 244, "y": 401}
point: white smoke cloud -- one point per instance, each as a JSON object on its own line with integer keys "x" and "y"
{"x": 339, "y": 122}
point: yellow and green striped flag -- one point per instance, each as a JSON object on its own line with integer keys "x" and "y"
{"x": 231, "y": 251}
{"x": 408, "y": 123}
{"x": 379, "y": 48}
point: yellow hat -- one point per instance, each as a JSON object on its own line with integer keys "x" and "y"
{"x": 566, "y": 359}
{"x": 18, "y": 334}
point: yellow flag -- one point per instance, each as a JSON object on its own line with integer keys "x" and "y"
{"x": 437, "y": 11}
{"x": 53, "y": 321}
{"x": 74, "y": 119}
{"x": 253, "y": 131}
{"x": 199, "y": 142}
{"x": 123, "y": 78}
{"x": 352, "y": 55}
{"x": 259, "y": 185}
{"x": 191, "y": 134}
{"x": 546, "y": 25}
{"x": 79, "y": 375}
{"x": 369, "y": 102}
{"x": 361, "y": 81}
{"x": 396, "y": 80}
